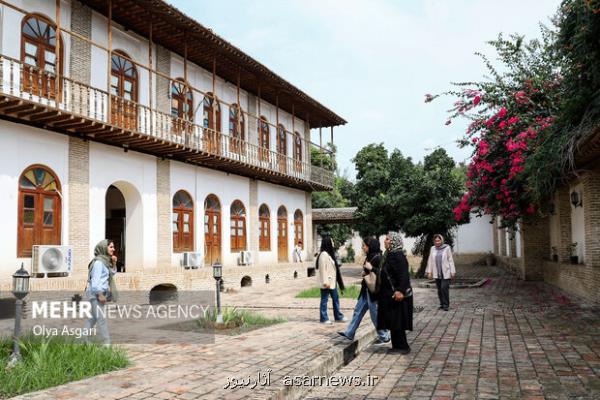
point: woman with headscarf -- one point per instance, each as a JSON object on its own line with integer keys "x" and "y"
{"x": 327, "y": 276}
{"x": 395, "y": 294}
{"x": 440, "y": 266}
{"x": 101, "y": 287}
{"x": 366, "y": 299}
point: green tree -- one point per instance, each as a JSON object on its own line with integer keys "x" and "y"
{"x": 392, "y": 193}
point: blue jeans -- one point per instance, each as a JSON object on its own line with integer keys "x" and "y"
{"x": 363, "y": 304}
{"x": 337, "y": 314}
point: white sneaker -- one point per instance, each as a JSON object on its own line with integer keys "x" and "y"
{"x": 344, "y": 319}
{"x": 328, "y": 322}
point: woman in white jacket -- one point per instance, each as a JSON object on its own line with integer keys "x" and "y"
{"x": 440, "y": 266}
{"x": 326, "y": 276}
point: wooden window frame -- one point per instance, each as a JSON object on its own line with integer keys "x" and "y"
{"x": 51, "y": 87}
{"x": 237, "y": 133}
{"x": 282, "y": 148}
{"x": 238, "y": 243}
{"x": 264, "y": 138}
{"x": 181, "y": 92}
{"x": 217, "y": 214}
{"x": 123, "y": 111}
{"x": 38, "y": 225}
{"x": 264, "y": 224}
{"x": 179, "y": 245}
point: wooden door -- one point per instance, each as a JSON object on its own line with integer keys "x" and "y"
{"x": 115, "y": 231}
{"x": 123, "y": 90}
{"x": 212, "y": 125}
{"x": 212, "y": 237}
{"x": 38, "y": 54}
{"x": 282, "y": 246}
{"x": 281, "y": 149}
{"x": 264, "y": 139}
{"x": 183, "y": 233}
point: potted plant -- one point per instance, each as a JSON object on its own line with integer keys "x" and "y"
{"x": 573, "y": 251}
{"x": 554, "y": 254}
{"x": 490, "y": 259}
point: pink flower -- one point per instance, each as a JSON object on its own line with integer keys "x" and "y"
{"x": 448, "y": 122}
{"x": 513, "y": 120}
{"x": 428, "y": 98}
{"x": 476, "y": 100}
{"x": 502, "y": 113}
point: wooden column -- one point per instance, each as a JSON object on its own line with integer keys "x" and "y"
{"x": 214, "y": 97}
{"x": 58, "y": 49}
{"x": 109, "y": 68}
{"x": 239, "y": 106}
{"x": 150, "y": 102}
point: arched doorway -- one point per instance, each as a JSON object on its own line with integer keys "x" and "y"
{"x": 282, "y": 240}
{"x": 299, "y": 229}
{"x": 124, "y": 224}
{"x": 212, "y": 229}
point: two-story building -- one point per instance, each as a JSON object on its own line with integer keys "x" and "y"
{"x": 129, "y": 120}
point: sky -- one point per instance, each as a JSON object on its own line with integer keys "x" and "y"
{"x": 373, "y": 61}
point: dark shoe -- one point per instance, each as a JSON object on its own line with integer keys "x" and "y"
{"x": 445, "y": 308}
{"x": 343, "y": 334}
{"x": 393, "y": 351}
{"x": 404, "y": 351}
{"x": 440, "y": 307}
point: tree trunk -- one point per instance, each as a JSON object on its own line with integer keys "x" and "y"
{"x": 426, "y": 251}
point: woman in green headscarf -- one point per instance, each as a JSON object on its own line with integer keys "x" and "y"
{"x": 100, "y": 287}
{"x": 395, "y": 294}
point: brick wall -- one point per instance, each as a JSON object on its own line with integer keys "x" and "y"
{"x": 81, "y": 51}
{"x": 164, "y": 210}
{"x": 79, "y": 203}
{"x": 581, "y": 280}
{"x": 512, "y": 243}
{"x": 253, "y": 230}
{"x": 535, "y": 242}
{"x": 563, "y": 209}
{"x": 591, "y": 210}
{"x": 163, "y": 65}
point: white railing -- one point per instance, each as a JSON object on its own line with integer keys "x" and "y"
{"x": 42, "y": 87}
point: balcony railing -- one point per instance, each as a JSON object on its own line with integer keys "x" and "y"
{"x": 24, "y": 82}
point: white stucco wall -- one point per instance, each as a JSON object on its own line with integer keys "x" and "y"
{"x": 23, "y": 146}
{"x": 134, "y": 174}
{"x": 474, "y": 237}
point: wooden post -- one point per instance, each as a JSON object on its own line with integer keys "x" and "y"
{"x": 109, "y": 72}
{"x": 58, "y": 49}
{"x": 321, "y": 143}
{"x": 214, "y": 96}
{"x": 150, "y": 44}
{"x": 239, "y": 106}
{"x": 185, "y": 57}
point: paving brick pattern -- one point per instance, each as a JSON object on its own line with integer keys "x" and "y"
{"x": 508, "y": 340}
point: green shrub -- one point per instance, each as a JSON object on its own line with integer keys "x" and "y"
{"x": 48, "y": 362}
{"x": 351, "y": 292}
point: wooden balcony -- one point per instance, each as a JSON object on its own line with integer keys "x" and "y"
{"x": 44, "y": 100}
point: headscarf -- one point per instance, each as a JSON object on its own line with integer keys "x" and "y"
{"x": 396, "y": 243}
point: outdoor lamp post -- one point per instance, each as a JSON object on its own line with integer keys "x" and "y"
{"x": 218, "y": 274}
{"x": 20, "y": 289}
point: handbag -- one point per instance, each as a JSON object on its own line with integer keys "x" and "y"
{"x": 371, "y": 281}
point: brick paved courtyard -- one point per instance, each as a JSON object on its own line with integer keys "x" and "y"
{"x": 507, "y": 339}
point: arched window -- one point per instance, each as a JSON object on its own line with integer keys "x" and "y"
{"x": 264, "y": 138}
{"x": 123, "y": 88}
{"x": 211, "y": 112}
{"x": 238, "y": 226}
{"x": 298, "y": 150}
{"x": 183, "y": 222}
{"x": 211, "y": 120}
{"x": 236, "y": 129}
{"x": 212, "y": 229}
{"x": 38, "y": 54}
{"x": 264, "y": 219}
{"x": 182, "y": 104}
{"x": 298, "y": 229}
{"x": 281, "y": 148}
{"x": 282, "y": 246}
{"x": 39, "y": 211}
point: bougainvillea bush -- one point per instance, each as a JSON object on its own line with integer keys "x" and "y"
{"x": 510, "y": 115}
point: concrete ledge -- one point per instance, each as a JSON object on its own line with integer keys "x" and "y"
{"x": 339, "y": 355}
{"x": 457, "y": 284}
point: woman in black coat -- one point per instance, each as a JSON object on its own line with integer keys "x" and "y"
{"x": 395, "y": 294}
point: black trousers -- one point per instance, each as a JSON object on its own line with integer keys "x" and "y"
{"x": 443, "y": 289}
{"x": 399, "y": 339}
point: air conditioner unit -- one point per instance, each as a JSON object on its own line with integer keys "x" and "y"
{"x": 191, "y": 259}
{"x": 52, "y": 259}
{"x": 245, "y": 258}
